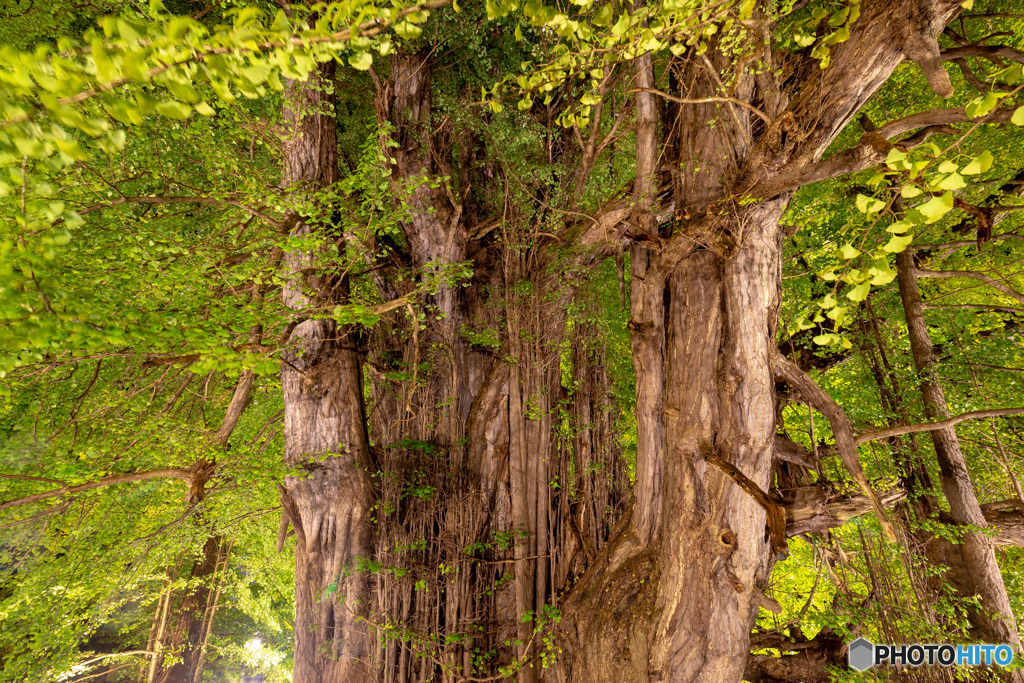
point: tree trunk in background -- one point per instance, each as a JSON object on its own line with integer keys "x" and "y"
{"x": 324, "y": 421}
{"x": 194, "y": 614}
{"x": 974, "y": 570}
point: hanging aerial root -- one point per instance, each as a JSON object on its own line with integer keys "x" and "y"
{"x": 817, "y": 397}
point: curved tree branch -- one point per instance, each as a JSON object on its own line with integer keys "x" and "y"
{"x": 841, "y": 428}
{"x": 973, "y": 274}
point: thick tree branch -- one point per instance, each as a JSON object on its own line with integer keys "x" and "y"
{"x": 870, "y": 152}
{"x": 842, "y": 429}
{"x": 924, "y": 50}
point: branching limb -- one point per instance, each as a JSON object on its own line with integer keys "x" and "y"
{"x": 706, "y": 100}
{"x": 841, "y": 429}
{"x": 924, "y": 50}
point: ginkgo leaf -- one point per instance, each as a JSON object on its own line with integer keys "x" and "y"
{"x": 361, "y": 61}
{"x": 869, "y": 204}
{"x": 898, "y": 243}
{"x": 936, "y": 207}
{"x": 979, "y": 164}
{"x": 900, "y": 227}
{"x": 860, "y": 292}
{"x": 848, "y": 251}
{"x": 950, "y": 181}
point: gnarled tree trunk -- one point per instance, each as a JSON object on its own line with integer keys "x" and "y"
{"x": 674, "y": 594}
{"x": 324, "y": 421}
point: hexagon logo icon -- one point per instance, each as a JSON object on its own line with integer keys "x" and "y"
{"x": 861, "y": 654}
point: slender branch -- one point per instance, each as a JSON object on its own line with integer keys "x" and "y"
{"x": 964, "y": 243}
{"x": 706, "y": 100}
{"x": 61, "y": 509}
{"x": 27, "y": 477}
{"x": 987, "y": 279}
{"x": 984, "y": 307}
{"x": 176, "y": 473}
{"x": 1003, "y": 51}
{"x": 181, "y": 200}
{"x": 931, "y": 426}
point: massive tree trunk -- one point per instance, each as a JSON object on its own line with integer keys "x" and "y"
{"x": 674, "y": 594}
{"x": 324, "y": 421}
{"x": 467, "y": 445}
{"x": 974, "y": 570}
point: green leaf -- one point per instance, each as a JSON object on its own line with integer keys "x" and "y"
{"x": 408, "y": 31}
{"x": 897, "y": 160}
{"x": 361, "y": 61}
{"x": 826, "y": 339}
{"x": 882, "y": 273}
{"x": 937, "y": 207}
{"x": 951, "y": 181}
{"x": 909, "y": 191}
{"x": 900, "y": 226}
{"x": 982, "y": 105}
{"x": 803, "y": 39}
{"x": 173, "y": 110}
{"x": 603, "y": 16}
{"x": 867, "y": 204}
{"x": 980, "y": 163}
{"x": 621, "y": 26}
{"x": 898, "y": 243}
{"x": 860, "y": 292}
{"x": 1018, "y": 117}
{"x": 847, "y": 251}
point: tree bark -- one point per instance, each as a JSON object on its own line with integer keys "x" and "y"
{"x": 976, "y": 571}
{"x": 324, "y": 421}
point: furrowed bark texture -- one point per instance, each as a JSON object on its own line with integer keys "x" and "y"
{"x": 973, "y": 565}
{"x": 324, "y": 422}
